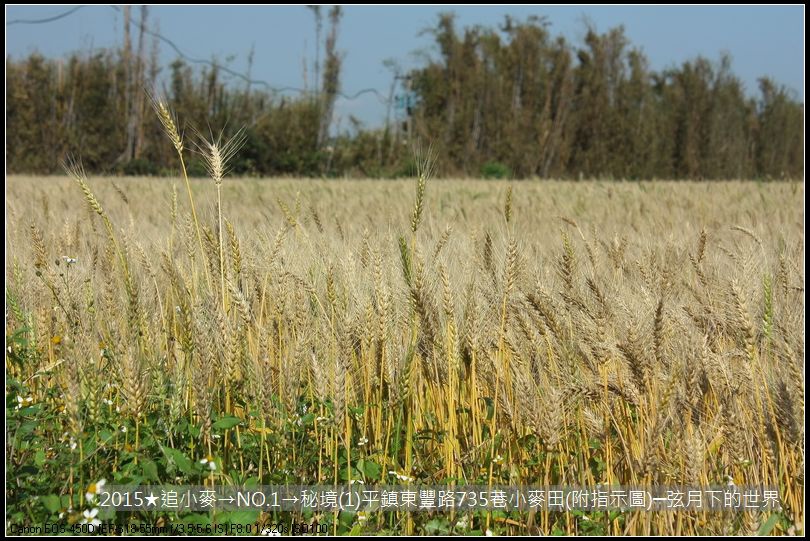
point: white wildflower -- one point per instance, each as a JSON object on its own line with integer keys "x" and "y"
{"x": 90, "y": 519}
{"x": 22, "y": 402}
{"x": 401, "y": 476}
{"x": 95, "y": 488}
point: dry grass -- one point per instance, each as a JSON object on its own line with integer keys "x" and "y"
{"x": 584, "y": 333}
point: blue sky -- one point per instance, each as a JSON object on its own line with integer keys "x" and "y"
{"x": 765, "y": 40}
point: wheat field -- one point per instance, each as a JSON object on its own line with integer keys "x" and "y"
{"x": 229, "y": 330}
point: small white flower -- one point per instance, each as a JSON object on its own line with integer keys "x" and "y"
{"x": 72, "y": 444}
{"x": 362, "y": 442}
{"x": 498, "y": 459}
{"x": 69, "y": 260}
{"x": 215, "y": 436}
{"x": 401, "y": 476}
{"x": 107, "y": 401}
{"x": 212, "y": 465}
{"x": 489, "y": 533}
{"x": 21, "y": 402}
{"x": 95, "y": 488}
{"x": 69, "y": 511}
{"x": 463, "y": 522}
{"x": 362, "y": 517}
{"x": 124, "y": 429}
{"x": 90, "y": 519}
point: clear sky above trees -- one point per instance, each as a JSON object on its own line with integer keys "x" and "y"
{"x": 766, "y": 40}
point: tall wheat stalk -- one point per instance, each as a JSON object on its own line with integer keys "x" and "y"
{"x": 169, "y": 123}
{"x": 217, "y": 154}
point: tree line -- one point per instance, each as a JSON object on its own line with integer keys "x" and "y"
{"x": 510, "y": 101}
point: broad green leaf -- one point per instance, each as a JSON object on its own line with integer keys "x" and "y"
{"x": 52, "y": 502}
{"x": 225, "y": 423}
{"x": 240, "y": 517}
{"x": 768, "y": 526}
{"x": 371, "y": 469}
{"x": 150, "y": 470}
{"x": 180, "y": 459}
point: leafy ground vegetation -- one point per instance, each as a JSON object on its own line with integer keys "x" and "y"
{"x": 230, "y": 331}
